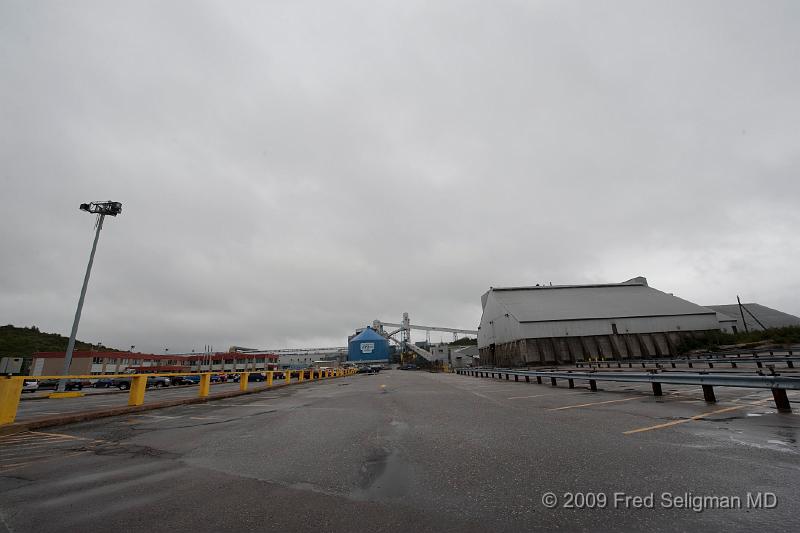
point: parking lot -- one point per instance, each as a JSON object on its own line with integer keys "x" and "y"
{"x": 401, "y": 451}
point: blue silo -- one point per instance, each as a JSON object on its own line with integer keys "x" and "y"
{"x": 368, "y": 346}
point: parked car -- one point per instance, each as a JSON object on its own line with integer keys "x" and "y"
{"x": 103, "y": 383}
{"x": 218, "y": 378}
{"x": 185, "y": 380}
{"x": 30, "y": 385}
{"x": 408, "y": 367}
{"x": 52, "y": 384}
{"x": 364, "y": 369}
{"x": 256, "y": 376}
{"x": 152, "y": 381}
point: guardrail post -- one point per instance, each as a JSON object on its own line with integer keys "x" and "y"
{"x": 527, "y": 379}
{"x": 244, "y": 377}
{"x": 10, "y": 392}
{"x": 269, "y": 378}
{"x": 205, "y": 384}
{"x": 553, "y": 382}
{"x": 506, "y": 377}
{"x": 539, "y": 380}
{"x": 690, "y": 364}
{"x": 138, "y": 386}
{"x": 710, "y": 364}
{"x": 781, "y": 400}
{"x": 789, "y": 364}
{"x": 708, "y": 394}
{"x": 759, "y": 364}
{"x": 733, "y": 364}
{"x": 516, "y": 377}
{"x": 571, "y": 383}
{"x": 673, "y": 364}
{"x": 593, "y": 385}
{"x": 657, "y": 389}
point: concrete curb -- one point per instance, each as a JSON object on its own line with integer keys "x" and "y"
{"x": 18, "y": 427}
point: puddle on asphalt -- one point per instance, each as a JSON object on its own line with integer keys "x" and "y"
{"x": 385, "y": 475}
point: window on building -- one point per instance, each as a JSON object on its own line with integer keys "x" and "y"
{"x": 97, "y": 360}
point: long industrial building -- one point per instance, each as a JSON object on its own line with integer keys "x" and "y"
{"x": 560, "y": 324}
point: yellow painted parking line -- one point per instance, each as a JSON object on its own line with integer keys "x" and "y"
{"x": 5, "y": 468}
{"x": 62, "y": 435}
{"x": 683, "y": 420}
{"x": 593, "y": 403}
{"x": 696, "y": 417}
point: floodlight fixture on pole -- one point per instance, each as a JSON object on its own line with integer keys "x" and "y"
{"x": 101, "y": 209}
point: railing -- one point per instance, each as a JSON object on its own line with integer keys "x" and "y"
{"x": 759, "y": 361}
{"x": 11, "y": 386}
{"x": 777, "y": 384}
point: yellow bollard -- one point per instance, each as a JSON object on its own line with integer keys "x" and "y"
{"x": 138, "y": 386}
{"x": 243, "y": 379}
{"x": 205, "y": 384}
{"x": 300, "y": 376}
{"x": 269, "y": 378}
{"x": 10, "y": 391}
{"x": 288, "y": 375}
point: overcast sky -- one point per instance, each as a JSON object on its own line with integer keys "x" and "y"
{"x": 290, "y": 171}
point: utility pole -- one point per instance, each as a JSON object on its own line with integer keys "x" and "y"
{"x": 101, "y": 209}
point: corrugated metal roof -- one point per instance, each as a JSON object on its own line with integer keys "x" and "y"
{"x": 579, "y": 302}
{"x": 771, "y": 318}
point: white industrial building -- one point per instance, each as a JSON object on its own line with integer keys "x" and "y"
{"x": 558, "y": 324}
{"x": 454, "y": 355}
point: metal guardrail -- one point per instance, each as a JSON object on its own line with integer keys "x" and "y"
{"x": 777, "y": 384}
{"x": 11, "y": 386}
{"x": 710, "y": 361}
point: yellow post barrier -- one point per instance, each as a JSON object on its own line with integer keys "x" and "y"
{"x": 288, "y": 375}
{"x": 300, "y": 376}
{"x": 269, "y": 378}
{"x": 10, "y": 391}
{"x": 138, "y": 386}
{"x": 244, "y": 377}
{"x": 205, "y": 384}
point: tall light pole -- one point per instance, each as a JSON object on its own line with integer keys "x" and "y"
{"x": 101, "y": 209}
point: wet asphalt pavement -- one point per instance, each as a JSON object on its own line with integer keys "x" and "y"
{"x": 427, "y": 452}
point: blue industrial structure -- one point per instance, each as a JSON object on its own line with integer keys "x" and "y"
{"x": 368, "y": 346}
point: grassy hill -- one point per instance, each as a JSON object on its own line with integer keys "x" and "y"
{"x": 23, "y": 342}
